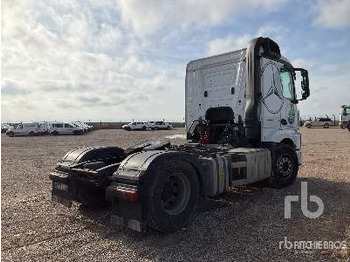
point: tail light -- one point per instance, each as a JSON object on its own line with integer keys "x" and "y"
{"x": 127, "y": 194}
{"x": 204, "y": 137}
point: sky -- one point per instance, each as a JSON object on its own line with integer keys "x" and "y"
{"x": 118, "y": 60}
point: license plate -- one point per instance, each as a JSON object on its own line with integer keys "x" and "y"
{"x": 61, "y": 200}
{"x": 60, "y": 186}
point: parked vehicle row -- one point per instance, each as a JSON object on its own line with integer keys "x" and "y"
{"x": 46, "y": 128}
{"x": 153, "y": 125}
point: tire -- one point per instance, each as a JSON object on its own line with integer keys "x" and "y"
{"x": 55, "y": 133}
{"x": 284, "y": 166}
{"x": 144, "y": 128}
{"x": 11, "y": 134}
{"x": 168, "y": 128}
{"x": 308, "y": 125}
{"x": 128, "y": 129}
{"x": 173, "y": 196}
{"x": 31, "y": 133}
{"x": 76, "y": 132}
{"x": 326, "y": 125}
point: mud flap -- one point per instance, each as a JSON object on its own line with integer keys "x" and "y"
{"x": 124, "y": 212}
{"x": 60, "y": 189}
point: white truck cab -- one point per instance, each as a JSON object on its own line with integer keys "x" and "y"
{"x": 252, "y": 89}
{"x": 344, "y": 117}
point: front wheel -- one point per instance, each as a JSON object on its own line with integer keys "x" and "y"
{"x": 284, "y": 166}
{"x": 326, "y": 126}
{"x": 173, "y": 196}
{"x": 308, "y": 125}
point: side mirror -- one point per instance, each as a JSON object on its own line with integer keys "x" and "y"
{"x": 305, "y": 93}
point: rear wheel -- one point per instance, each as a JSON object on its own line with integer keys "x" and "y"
{"x": 326, "y": 125}
{"x": 77, "y": 132}
{"x": 174, "y": 195}
{"x": 11, "y": 134}
{"x": 308, "y": 125}
{"x": 31, "y": 133}
{"x": 143, "y": 128}
{"x": 285, "y": 166}
{"x": 55, "y": 133}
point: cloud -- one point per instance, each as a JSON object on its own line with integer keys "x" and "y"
{"x": 304, "y": 63}
{"x": 333, "y": 13}
{"x": 227, "y": 44}
{"x": 148, "y": 17}
{"x": 231, "y": 43}
{"x": 70, "y": 55}
{"x": 13, "y": 88}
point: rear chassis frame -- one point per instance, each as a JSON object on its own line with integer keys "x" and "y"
{"x": 125, "y": 184}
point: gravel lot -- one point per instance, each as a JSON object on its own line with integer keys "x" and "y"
{"x": 244, "y": 224}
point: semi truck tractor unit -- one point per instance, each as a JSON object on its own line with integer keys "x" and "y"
{"x": 344, "y": 118}
{"x": 241, "y": 124}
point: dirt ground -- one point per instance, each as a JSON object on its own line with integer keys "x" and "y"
{"x": 244, "y": 224}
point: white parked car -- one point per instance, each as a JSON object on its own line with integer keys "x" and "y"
{"x": 5, "y": 127}
{"x": 63, "y": 128}
{"x": 85, "y": 127}
{"x": 161, "y": 125}
{"x": 324, "y": 122}
{"x": 28, "y": 129}
{"x": 136, "y": 126}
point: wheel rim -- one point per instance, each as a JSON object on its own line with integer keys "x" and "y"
{"x": 176, "y": 193}
{"x": 285, "y": 165}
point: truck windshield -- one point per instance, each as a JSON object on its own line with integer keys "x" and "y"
{"x": 287, "y": 84}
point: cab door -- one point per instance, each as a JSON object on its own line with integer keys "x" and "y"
{"x": 271, "y": 100}
{"x": 278, "y": 115}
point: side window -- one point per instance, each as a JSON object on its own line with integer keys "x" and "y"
{"x": 287, "y": 84}
{"x": 68, "y": 126}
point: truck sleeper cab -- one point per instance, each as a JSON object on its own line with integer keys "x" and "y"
{"x": 241, "y": 120}
{"x": 344, "y": 117}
